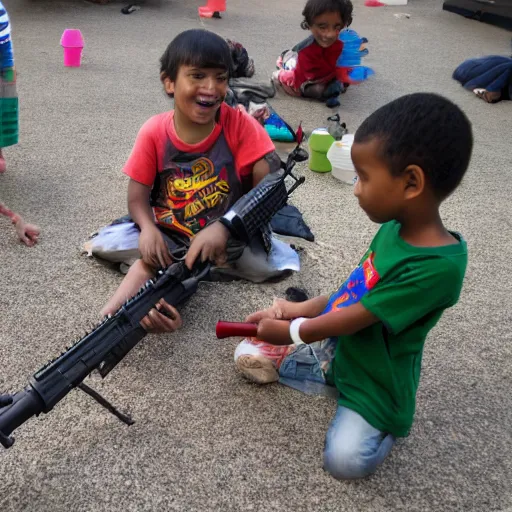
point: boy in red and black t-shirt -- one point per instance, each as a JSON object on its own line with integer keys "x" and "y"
{"x": 188, "y": 167}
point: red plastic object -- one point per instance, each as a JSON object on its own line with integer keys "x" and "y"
{"x": 212, "y": 9}
{"x": 374, "y": 3}
{"x": 229, "y": 329}
{"x": 342, "y": 74}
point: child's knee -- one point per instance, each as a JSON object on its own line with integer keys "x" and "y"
{"x": 344, "y": 461}
{"x": 137, "y": 275}
{"x": 140, "y": 272}
{"x": 314, "y": 91}
{"x": 353, "y": 448}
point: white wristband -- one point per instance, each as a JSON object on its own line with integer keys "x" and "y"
{"x": 294, "y": 330}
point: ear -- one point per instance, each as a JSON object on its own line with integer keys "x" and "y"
{"x": 168, "y": 84}
{"x": 414, "y": 181}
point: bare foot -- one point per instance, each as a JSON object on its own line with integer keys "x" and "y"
{"x": 488, "y": 96}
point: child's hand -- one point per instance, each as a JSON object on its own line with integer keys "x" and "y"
{"x": 153, "y": 249}
{"x": 210, "y": 244}
{"x": 281, "y": 309}
{"x": 27, "y": 233}
{"x": 162, "y": 318}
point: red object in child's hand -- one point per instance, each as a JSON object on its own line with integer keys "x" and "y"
{"x": 229, "y": 329}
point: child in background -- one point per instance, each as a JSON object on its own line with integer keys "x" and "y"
{"x": 187, "y": 168}
{"x": 8, "y": 94}
{"x": 27, "y": 233}
{"x": 309, "y": 68}
{"x": 409, "y": 155}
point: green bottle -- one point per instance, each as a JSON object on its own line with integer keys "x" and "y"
{"x": 319, "y": 143}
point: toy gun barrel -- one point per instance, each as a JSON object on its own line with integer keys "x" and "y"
{"x": 101, "y": 349}
{"x": 229, "y": 329}
{"x": 25, "y": 404}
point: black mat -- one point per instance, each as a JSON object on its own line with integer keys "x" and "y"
{"x": 495, "y": 12}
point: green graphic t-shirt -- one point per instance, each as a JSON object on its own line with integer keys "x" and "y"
{"x": 377, "y": 370}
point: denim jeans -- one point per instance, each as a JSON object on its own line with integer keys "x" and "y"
{"x": 353, "y": 448}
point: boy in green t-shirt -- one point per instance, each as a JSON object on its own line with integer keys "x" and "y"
{"x": 409, "y": 156}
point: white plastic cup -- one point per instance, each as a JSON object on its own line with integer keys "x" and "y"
{"x": 341, "y": 160}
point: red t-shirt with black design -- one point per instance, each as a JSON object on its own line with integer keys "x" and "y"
{"x": 193, "y": 184}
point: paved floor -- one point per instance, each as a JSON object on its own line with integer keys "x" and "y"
{"x": 204, "y": 438}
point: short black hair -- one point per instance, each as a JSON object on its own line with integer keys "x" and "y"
{"x": 426, "y": 130}
{"x": 315, "y": 8}
{"x": 197, "y": 47}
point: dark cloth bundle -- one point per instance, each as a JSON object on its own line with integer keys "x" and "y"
{"x": 492, "y": 73}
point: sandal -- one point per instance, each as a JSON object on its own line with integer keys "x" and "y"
{"x": 488, "y": 96}
{"x": 130, "y": 8}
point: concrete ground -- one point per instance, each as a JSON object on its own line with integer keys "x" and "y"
{"x": 205, "y": 439}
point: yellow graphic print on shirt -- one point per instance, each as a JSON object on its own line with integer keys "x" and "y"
{"x": 191, "y": 194}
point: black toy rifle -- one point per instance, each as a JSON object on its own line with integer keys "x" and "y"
{"x": 99, "y": 350}
{"x": 104, "y": 347}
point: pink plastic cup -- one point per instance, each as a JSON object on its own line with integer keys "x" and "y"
{"x": 72, "y": 57}
{"x": 73, "y": 43}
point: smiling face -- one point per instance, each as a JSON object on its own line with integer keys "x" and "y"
{"x": 326, "y": 28}
{"x": 198, "y": 93}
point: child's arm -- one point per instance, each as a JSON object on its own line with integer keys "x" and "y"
{"x": 27, "y": 233}
{"x": 8, "y": 213}
{"x": 342, "y": 322}
{"x": 141, "y": 167}
{"x": 153, "y": 249}
{"x": 259, "y": 171}
{"x": 286, "y": 310}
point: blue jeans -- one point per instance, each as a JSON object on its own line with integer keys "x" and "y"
{"x": 353, "y": 448}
